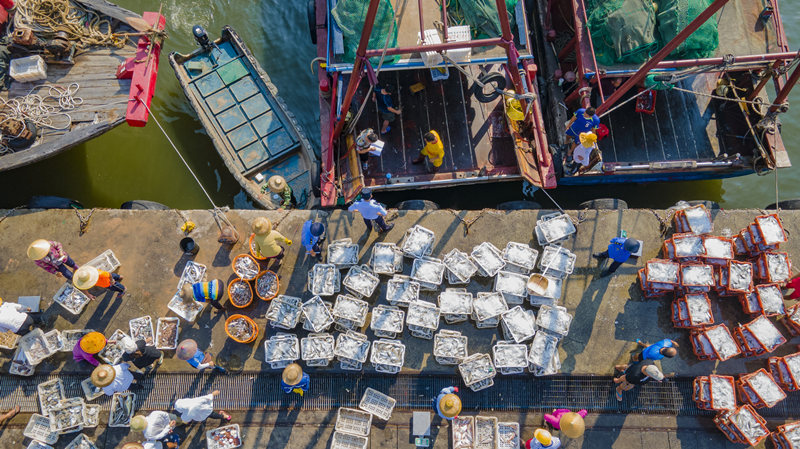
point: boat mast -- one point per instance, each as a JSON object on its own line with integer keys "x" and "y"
{"x": 663, "y": 53}
{"x": 507, "y": 41}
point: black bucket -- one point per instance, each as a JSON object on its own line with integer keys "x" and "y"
{"x": 189, "y": 246}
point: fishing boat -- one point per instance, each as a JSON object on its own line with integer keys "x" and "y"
{"x": 253, "y": 131}
{"x": 89, "y": 70}
{"x": 464, "y": 69}
{"x": 679, "y": 85}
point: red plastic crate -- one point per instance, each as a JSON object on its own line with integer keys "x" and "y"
{"x": 759, "y": 389}
{"x": 762, "y": 267}
{"x": 684, "y": 316}
{"x": 758, "y": 336}
{"x": 765, "y": 291}
{"x": 771, "y": 219}
{"x": 710, "y": 392}
{"x": 727, "y": 421}
{"x": 786, "y": 371}
{"x": 785, "y": 435}
{"x": 739, "y": 265}
{"x": 723, "y": 245}
{"x": 792, "y": 319}
{"x": 704, "y": 349}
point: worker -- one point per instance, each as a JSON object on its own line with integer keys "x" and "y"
{"x": 367, "y": 143}
{"x": 143, "y": 356}
{"x": 200, "y": 408}
{"x": 584, "y": 120}
{"x": 568, "y": 422}
{"x": 155, "y": 426}
{"x": 112, "y": 379}
{"x": 371, "y": 211}
{"x": 312, "y": 237}
{"x": 210, "y": 292}
{"x": 585, "y": 155}
{"x": 188, "y": 351}
{"x": 50, "y": 256}
{"x": 637, "y": 373}
{"x": 793, "y": 285}
{"x": 88, "y": 276}
{"x": 265, "y": 242}
{"x": 433, "y": 151}
{"x": 542, "y": 439}
{"x": 448, "y": 404}
{"x": 382, "y": 96}
{"x": 294, "y": 380}
{"x": 657, "y": 351}
{"x": 619, "y": 250}
{"x": 88, "y": 346}
{"x": 18, "y": 318}
{"x": 278, "y": 185}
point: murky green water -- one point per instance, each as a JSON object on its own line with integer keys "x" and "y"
{"x": 137, "y": 163}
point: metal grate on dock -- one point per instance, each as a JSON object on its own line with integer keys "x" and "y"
{"x": 261, "y": 390}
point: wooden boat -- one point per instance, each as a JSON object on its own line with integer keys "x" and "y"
{"x": 83, "y": 77}
{"x": 253, "y": 131}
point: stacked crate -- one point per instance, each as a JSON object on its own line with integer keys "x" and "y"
{"x": 786, "y": 371}
{"x": 714, "y": 343}
{"x": 759, "y": 389}
{"x": 773, "y": 267}
{"x": 695, "y": 220}
{"x": 742, "y": 425}
{"x": 786, "y": 436}
{"x": 714, "y": 392}
{"x": 659, "y": 277}
{"x": 758, "y": 337}
{"x": 691, "y": 311}
{"x": 792, "y": 319}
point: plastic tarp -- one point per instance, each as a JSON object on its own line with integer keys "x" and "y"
{"x": 350, "y": 16}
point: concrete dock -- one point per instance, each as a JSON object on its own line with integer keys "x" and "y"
{"x": 609, "y": 313}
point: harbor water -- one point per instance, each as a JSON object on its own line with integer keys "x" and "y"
{"x": 138, "y": 163}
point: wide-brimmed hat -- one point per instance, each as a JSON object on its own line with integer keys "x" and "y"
{"x": 85, "y": 277}
{"x": 93, "y": 342}
{"x": 450, "y": 405}
{"x": 631, "y": 245}
{"x": 317, "y": 229}
{"x": 38, "y": 249}
{"x": 292, "y": 374}
{"x": 572, "y": 425}
{"x": 277, "y": 184}
{"x": 654, "y": 373}
{"x": 138, "y": 423}
{"x": 186, "y": 349}
{"x": 132, "y": 445}
{"x": 543, "y": 436}
{"x": 261, "y": 226}
{"x": 187, "y": 292}
{"x": 103, "y": 375}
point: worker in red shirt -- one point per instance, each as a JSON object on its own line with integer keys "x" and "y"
{"x": 794, "y": 284}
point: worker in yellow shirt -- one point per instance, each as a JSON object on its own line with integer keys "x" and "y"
{"x": 433, "y": 150}
{"x": 266, "y": 240}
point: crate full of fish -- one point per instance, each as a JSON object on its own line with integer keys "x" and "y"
{"x": 758, "y": 337}
{"x": 167, "y": 329}
{"x": 766, "y": 299}
{"x": 513, "y": 286}
{"x": 449, "y": 347}
{"x": 786, "y": 436}
{"x": 770, "y": 229}
{"x": 552, "y": 367}
{"x": 360, "y": 281}
{"x": 401, "y": 290}
{"x": 418, "y": 242}
{"x": 225, "y": 437}
{"x": 543, "y": 348}
{"x": 352, "y": 347}
{"x": 343, "y": 253}
{"x": 386, "y": 258}
{"x": 284, "y": 312}
{"x": 387, "y": 321}
{"x": 341, "y": 440}
{"x": 51, "y": 393}
{"x": 485, "y": 432}
{"x": 508, "y": 435}
{"x": 554, "y": 319}
{"x": 54, "y": 340}
{"x": 188, "y": 310}
{"x": 422, "y": 319}
{"x": 661, "y": 274}
{"x": 324, "y": 279}
{"x": 520, "y": 257}
{"x": 90, "y": 390}
{"x": 684, "y": 248}
{"x": 518, "y": 324}
{"x": 714, "y": 392}
{"x": 192, "y": 273}
{"x": 317, "y": 349}
{"x": 692, "y": 310}
{"x": 488, "y": 259}
{"x": 488, "y": 306}
{"x": 455, "y": 305}
{"x": 71, "y": 337}
{"x": 773, "y": 267}
{"x": 281, "y": 349}
{"x": 317, "y": 315}
{"x": 38, "y": 428}
{"x": 786, "y": 371}
{"x": 462, "y": 429}
{"x": 71, "y": 298}
{"x": 697, "y": 277}
{"x": 387, "y": 356}
{"x": 350, "y": 312}
{"x": 122, "y": 409}
{"x": 554, "y": 228}
{"x": 67, "y": 415}
{"x": 428, "y": 272}
{"x": 8, "y": 340}
{"x": 510, "y": 357}
{"x": 35, "y": 347}
{"x": 557, "y": 261}
{"x": 142, "y": 329}
{"x": 742, "y": 425}
{"x": 759, "y": 389}
{"x": 549, "y": 295}
{"x": 91, "y": 416}
{"x": 20, "y": 365}
{"x": 460, "y": 267}
{"x": 792, "y": 319}
{"x": 377, "y": 403}
{"x": 477, "y": 371}
{"x": 740, "y": 277}
{"x": 694, "y": 219}
{"x": 714, "y": 343}
{"x": 719, "y": 250}
{"x": 353, "y": 421}
{"x": 81, "y": 441}
{"x": 37, "y": 445}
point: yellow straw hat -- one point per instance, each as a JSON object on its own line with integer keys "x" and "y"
{"x": 261, "y": 226}
{"x": 93, "y": 342}
{"x": 132, "y": 445}
{"x": 543, "y": 437}
{"x": 450, "y": 405}
{"x": 572, "y": 425}
{"x": 588, "y": 139}
{"x": 38, "y": 249}
{"x": 103, "y": 375}
{"x": 292, "y": 374}
{"x": 85, "y": 277}
{"x": 138, "y": 423}
{"x": 277, "y": 184}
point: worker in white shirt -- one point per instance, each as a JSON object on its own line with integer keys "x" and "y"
{"x": 371, "y": 211}
{"x": 17, "y": 318}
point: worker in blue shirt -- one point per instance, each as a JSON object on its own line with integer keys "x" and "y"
{"x": 447, "y": 404}
{"x": 382, "y": 95}
{"x": 188, "y": 351}
{"x": 657, "y": 351}
{"x": 372, "y": 212}
{"x": 584, "y": 121}
{"x": 619, "y": 250}
{"x": 312, "y": 236}
{"x": 294, "y": 380}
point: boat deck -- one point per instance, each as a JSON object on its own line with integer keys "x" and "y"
{"x": 476, "y": 140}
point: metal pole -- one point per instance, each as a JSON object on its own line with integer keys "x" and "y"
{"x": 508, "y": 43}
{"x": 569, "y": 48}
{"x": 663, "y": 53}
{"x": 421, "y": 23}
{"x": 764, "y": 81}
{"x": 436, "y": 47}
{"x": 444, "y": 19}
{"x": 784, "y": 92}
{"x": 358, "y": 65}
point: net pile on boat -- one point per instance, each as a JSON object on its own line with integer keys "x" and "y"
{"x": 714, "y": 392}
{"x": 714, "y": 343}
{"x": 759, "y": 389}
{"x": 786, "y": 371}
{"x": 758, "y": 337}
{"x": 692, "y": 310}
{"x": 742, "y": 425}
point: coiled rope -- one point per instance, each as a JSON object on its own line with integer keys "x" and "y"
{"x": 41, "y": 109}
{"x": 85, "y": 27}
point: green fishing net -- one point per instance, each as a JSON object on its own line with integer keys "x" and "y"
{"x": 350, "y": 15}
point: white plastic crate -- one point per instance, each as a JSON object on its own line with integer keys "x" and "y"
{"x": 324, "y": 279}
{"x": 50, "y": 393}
{"x": 449, "y": 347}
{"x": 343, "y": 253}
{"x": 192, "y": 273}
{"x": 106, "y": 261}
{"x": 121, "y": 416}
{"x": 281, "y": 349}
{"x": 387, "y": 321}
{"x": 353, "y": 421}
{"x": 360, "y": 281}
{"x": 428, "y": 272}
{"x": 317, "y": 349}
{"x": 28, "y": 69}
{"x": 38, "y": 429}
{"x": 387, "y": 356}
{"x": 459, "y": 33}
{"x": 225, "y": 437}
{"x": 386, "y": 258}
{"x": 430, "y": 58}
{"x": 352, "y": 347}
{"x": 418, "y": 242}
{"x": 510, "y": 357}
{"x": 401, "y": 290}
{"x": 460, "y": 267}
{"x": 462, "y": 429}
{"x": 284, "y": 312}
{"x": 377, "y": 403}
{"x": 346, "y": 441}
{"x": 508, "y": 436}
{"x": 520, "y": 257}
{"x": 317, "y": 314}
{"x": 81, "y": 441}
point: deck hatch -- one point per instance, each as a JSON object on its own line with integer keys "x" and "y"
{"x": 231, "y": 118}
{"x": 244, "y": 88}
{"x": 255, "y": 106}
{"x": 220, "y": 101}
{"x": 242, "y": 136}
{"x": 209, "y": 84}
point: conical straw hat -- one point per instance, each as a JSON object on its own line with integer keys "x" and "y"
{"x": 572, "y": 425}
{"x": 38, "y": 249}
{"x": 103, "y": 375}
{"x": 277, "y": 184}
{"x": 85, "y": 277}
{"x": 93, "y": 342}
{"x": 261, "y": 226}
{"x": 138, "y": 423}
{"x": 292, "y": 374}
{"x": 450, "y": 405}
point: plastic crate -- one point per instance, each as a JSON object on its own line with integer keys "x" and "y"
{"x": 232, "y": 437}
{"x": 460, "y": 267}
{"x": 401, "y": 290}
{"x": 447, "y": 355}
{"x": 786, "y": 371}
{"x": 430, "y": 58}
{"x": 81, "y": 441}
{"x": 320, "y": 272}
{"x": 167, "y": 344}
{"x": 346, "y": 441}
{"x": 387, "y": 321}
{"x": 35, "y": 346}
{"x": 418, "y": 242}
{"x": 462, "y": 429}
{"x": 122, "y": 399}
{"x": 28, "y": 69}
{"x": 741, "y": 285}
{"x": 145, "y": 327}
{"x": 192, "y": 273}
{"x": 422, "y": 318}
{"x": 508, "y": 436}
{"x": 377, "y": 403}
{"x": 692, "y": 311}
{"x": 38, "y": 429}
{"x": 792, "y": 320}
{"x": 459, "y": 33}
{"x": 773, "y": 267}
{"x": 770, "y": 229}
{"x": 284, "y": 312}
{"x": 42, "y": 389}
{"x": 433, "y": 275}
{"x": 361, "y": 272}
{"x": 352, "y": 346}
{"x": 277, "y": 360}
{"x": 326, "y": 344}
{"x": 758, "y": 336}
{"x": 477, "y": 381}
{"x": 520, "y": 257}
{"x": 386, "y": 258}
{"x": 38, "y": 445}
{"x": 770, "y": 299}
{"x": 743, "y": 425}
{"x": 694, "y": 219}
{"x": 705, "y": 348}
{"x": 759, "y": 389}
{"x": 90, "y": 391}
{"x": 715, "y": 392}
{"x": 63, "y": 408}
{"x": 485, "y": 432}
{"x": 353, "y": 421}
{"x": 488, "y": 259}
{"x": 502, "y": 350}
{"x": 91, "y": 416}
{"x": 787, "y": 436}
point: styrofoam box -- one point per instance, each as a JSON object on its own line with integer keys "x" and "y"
{"x": 27, "y": 69}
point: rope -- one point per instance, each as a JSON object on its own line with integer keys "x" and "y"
{"x": 717, "y": 97}
{"x": 40, "y": 109}
{"x": 83, "y": 222}
{"x": 11, "y": 212}
{"x": 49, "y": 17}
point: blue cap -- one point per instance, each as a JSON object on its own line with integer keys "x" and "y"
{"x": 366, "y": 193}
{"x": 317, "y": 229}
{"x": 631, "y": 245}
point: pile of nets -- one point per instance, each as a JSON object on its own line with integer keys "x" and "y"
{"x": 350, "y": 15}
{"x": 480, "y": 15}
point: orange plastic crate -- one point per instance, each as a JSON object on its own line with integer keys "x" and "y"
{"x": 759, "y": 389}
